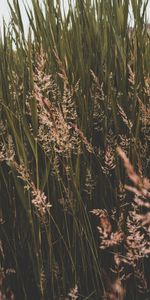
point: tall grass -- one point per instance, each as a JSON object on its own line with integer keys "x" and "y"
{"x": 76, "y": 88}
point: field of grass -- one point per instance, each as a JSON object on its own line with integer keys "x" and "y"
{"x": 75, "y": 152}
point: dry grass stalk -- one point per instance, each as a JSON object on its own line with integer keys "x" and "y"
{"x": 7, "y": 151}
{"x": 109, "y": 160}
{"x": 89, "y": 182}
{"x": 131, "y": 77}
{"x": 73, "y": 293}
{"x": 137, "y": 242}
{"x": 57, "y": 127}
{"x": 107, "y": 237}
{"x": 131, "y": 173}
{"x": 125, "y": 119}
{"x": 38, "y": 197}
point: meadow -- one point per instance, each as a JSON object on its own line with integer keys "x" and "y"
{"x": 75, "y": 152}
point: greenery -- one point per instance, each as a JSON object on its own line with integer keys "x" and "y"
{"x": 70, "y": 93}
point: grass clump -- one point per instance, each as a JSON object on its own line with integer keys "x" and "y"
{"x": 74, "y": 96}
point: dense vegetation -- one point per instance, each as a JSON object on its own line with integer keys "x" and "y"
{"x": 75, "y": 152}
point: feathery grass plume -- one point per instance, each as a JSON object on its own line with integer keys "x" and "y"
{"x": 73, "y": 293}
{"x": 5, "y": 276}
{"x": 137, "y": 242}
{"x": 107, "y": 156}
{"x": 125, "y": 119}
{"x": 3, "y": 127}
{"x": 147, "y": 86}
{"x": 124, "y": 141}
{"x": 121, "y": 193}
{"x": 89, "y": 182}
{"x": 38, "y": 197}
{"x": 68, "y": 103}
{"x": 109, "y": 160}
{"x": 55, "y": 170}
{"x": 142, "y": 185}
{"x": 69, "y": 109}
{"x": 131, "y": 173}
{"x": 131, "y": 77}
{"x": 108, "y": 238}
{"x": 39, "y": 200}
{"x": 144, "y": 122}
{"x": 44, "y": 83}
{"x": 2, "y": 154}
{"x": 7, "y": 149}
{"x": 16, "y": 89}
{"x": 55, "y": 131}
{"x": 144, "y": 116}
